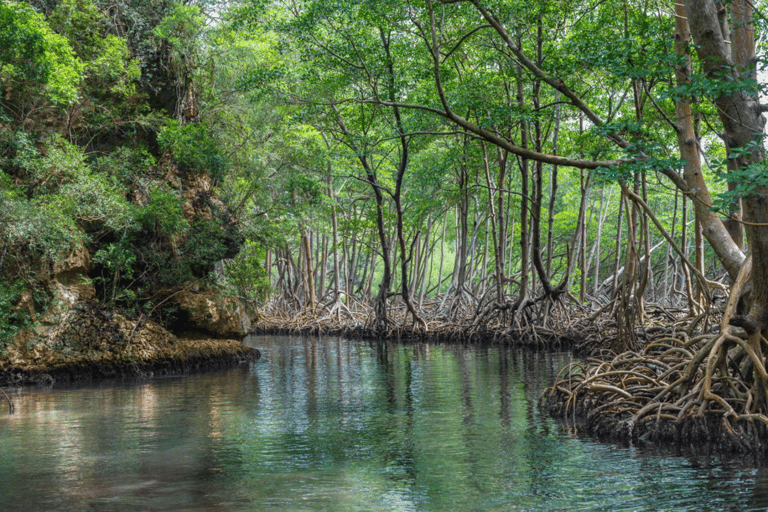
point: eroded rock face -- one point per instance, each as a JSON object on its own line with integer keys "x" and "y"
{"x": 92, "y": 340}
{"x": 67, "y": 284}
{"x": 70, "y": 275}
{"x": 90, "y": 331}
{"x": 218, "y": 316}
{"x": 77, "y": 263}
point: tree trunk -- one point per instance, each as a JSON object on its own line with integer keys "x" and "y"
{"x": 617, "y": 244}
{"x": 442, "y": 256}
{"x": 743, "y": 125}
{"x": 335, "y": 239}
{"x": 426, "y": 266}
{"x": 381, "y": 316}
{"x": 595, "y": 253}
{"x": 405, "y": 254}
{"x": 323, "y": 264}
{"x": 310, "y": 274}
{"x": 498, "y": 249}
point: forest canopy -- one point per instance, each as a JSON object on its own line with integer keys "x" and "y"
{"x": 467, "y": 152}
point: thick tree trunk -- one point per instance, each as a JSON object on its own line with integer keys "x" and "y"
{"x": 743, "y": 125}
{"x": 712, "y": 227}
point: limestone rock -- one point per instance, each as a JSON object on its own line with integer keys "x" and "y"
{"x": 72, "y": 272}
{"x": 219, "y": 316}
{"x": 77, "y": 263}
{"x": 92, "y": 339}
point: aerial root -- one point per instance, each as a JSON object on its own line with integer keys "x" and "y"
{"x": 11, "y": 406}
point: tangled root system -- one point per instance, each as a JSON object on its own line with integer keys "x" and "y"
{"x": 711, "y": 388}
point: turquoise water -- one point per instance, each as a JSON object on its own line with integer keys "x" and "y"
{"x": 337, "y": 425}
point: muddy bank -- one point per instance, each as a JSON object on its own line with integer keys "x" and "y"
{"x": 83, "y": 371}
{"x": 91, "y": 341}
{"x": 445, "y": 333}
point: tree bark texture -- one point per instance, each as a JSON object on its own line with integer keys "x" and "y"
{"x": 743, "y": 124}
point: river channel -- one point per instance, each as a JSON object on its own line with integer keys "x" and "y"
{"x": 338, "y": 425}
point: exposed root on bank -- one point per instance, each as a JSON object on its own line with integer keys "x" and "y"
{"x": 496, "y": 324}
{"x": 707, "y": 388}
{"x": 711, "y": 387}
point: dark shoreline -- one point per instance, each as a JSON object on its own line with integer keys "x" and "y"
{"x": 193, "y": 361}
{"x": 87, "y": 371}
{"x": 457, "y": 335}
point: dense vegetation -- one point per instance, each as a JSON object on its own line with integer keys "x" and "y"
{"x": 535, "y": 168}
{"x": 101, "y": 147}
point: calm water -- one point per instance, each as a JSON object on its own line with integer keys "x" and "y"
{"x": 329, "y": 424}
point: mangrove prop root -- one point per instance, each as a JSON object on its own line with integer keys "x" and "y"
{"x": 11, "y": 407}
{"x": 711, "y": 388}
{"x": 493, "y": 323}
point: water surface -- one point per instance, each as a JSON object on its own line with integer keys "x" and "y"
{"x": 337, "y": 425}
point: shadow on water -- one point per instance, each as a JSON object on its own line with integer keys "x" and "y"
{"x": 333, "y": 424}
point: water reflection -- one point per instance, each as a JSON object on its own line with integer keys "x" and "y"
{"x": 329, "y": 424}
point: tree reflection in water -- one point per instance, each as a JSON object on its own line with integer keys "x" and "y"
{"x": 332, "y": 424}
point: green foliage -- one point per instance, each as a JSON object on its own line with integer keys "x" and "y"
{"x": 63, "y": 182}
{"x": 181, "y": 28}
{"x": 178, "y": 34}
{"x": 245, "y": 277}
{"x": 205, "y": 245}
{"x": 109, "y": 101}
{"x": 746, "y": 178}
{"x": 98, "y": 185}
{"x": 158, "y": 247}
{"x": 33, "y": 56}
{"x": 60, "y": 163}
{"x": 17, "y": 151}
{"x": 107, "y": 57}
{"x": 128, "y": 165}
{"x": 161, "y": 215}
{"x": 724, "y": 83}
{"x": 288, "y": 111}
{"x": 12, "y": 317}
{"x": 36, "y": 224}
{"x": 627, "y": 172}
{"x": 193, "y": 145}
{"x": 303, "y": 190}
{"x": 114, "y": 65}
{"x": 117, "y": 261}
